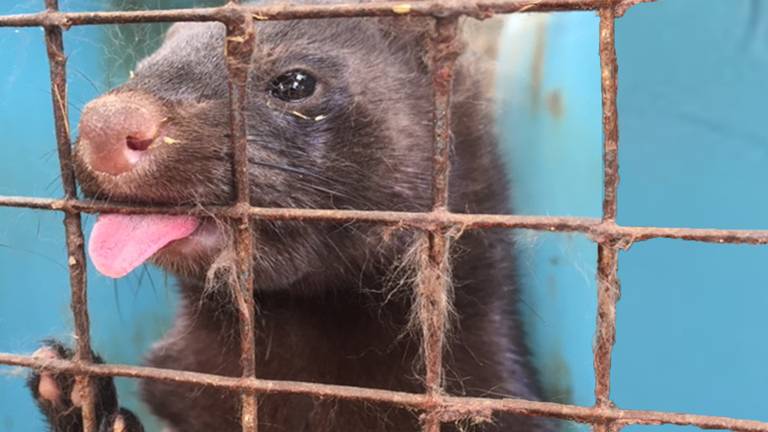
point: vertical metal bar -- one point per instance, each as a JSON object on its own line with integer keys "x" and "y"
{"x": 239, "y": 48}
{"x": 608, "y": 427}
{"x": 445, "y": 51}
{"x": 608, "y": 294}
{"x": 609, "y": 72}
{"x": 607, "y": 253}
{"x": 434, "y": 291}
{"x": 54, "y": 42}
{"x": 432, "y": 304}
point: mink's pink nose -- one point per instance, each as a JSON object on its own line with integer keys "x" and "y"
{"x": 116, "y": 131}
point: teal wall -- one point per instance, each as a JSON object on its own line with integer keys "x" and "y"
{"x": 693, "y": 152}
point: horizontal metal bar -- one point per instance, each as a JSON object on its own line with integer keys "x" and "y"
{"x": 435, "y": 8}
{"x": 451, "y": 406}
{"x": 594, "y": 228}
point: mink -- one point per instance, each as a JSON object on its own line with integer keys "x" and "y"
{"x": 339, "y": 115}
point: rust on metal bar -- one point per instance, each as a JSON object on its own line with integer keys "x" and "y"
{"x": 434, "y": 292}
{"x": 607, "y": 251}
{"x": 240, "y": 40}
{"x": 435, "y": 8}
{"x": 446, "y": 47}
{"x": 609, "y": 83}
{"x": 623, "y": 6}
{"x": 615, "y": 426}
{"x": 466, "y": 405}
{"x": 595, "y": 228}
{"x": 434, "y": 295}
{"x": 54, "y": 42}
{"x": 605, "y": 337}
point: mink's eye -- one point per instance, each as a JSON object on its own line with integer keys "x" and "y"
{"x": 293, "y": 85}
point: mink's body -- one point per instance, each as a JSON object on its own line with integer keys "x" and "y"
{"x": 333, "y": 303}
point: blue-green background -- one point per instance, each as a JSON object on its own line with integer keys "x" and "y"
{"x": 693, "y": 152}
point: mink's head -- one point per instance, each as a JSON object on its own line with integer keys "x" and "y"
{"x": 338, "y": 115}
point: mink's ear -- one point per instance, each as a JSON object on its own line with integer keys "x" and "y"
{"x": 411, "y": 36}
{"x": 175, "y": 29}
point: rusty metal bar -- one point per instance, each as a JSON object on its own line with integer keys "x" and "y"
{"x": 432, "y": 303}
{"x": 239, "y": 48}
{"x": 465, "y": 406}
{"x": 445, "y": 49}
{"x": 54, "y": 42}
{"x": 609, "y": 72}
{"x": 608, "y": 426}
{"x": 605, "y": 337}
{"x": 434, "y": 292}
{"x": 595, "y": 228}
{"x": 435, "y": 8}
{"x": 607, "y": 250}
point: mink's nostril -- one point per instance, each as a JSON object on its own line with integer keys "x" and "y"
{"x": 118, "y": 130}
{"x": 138, "y": 144}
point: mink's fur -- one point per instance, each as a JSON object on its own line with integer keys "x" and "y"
{"x": 333, "y": 299}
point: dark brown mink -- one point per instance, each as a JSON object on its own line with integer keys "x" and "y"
{"x": 339, "y": 115}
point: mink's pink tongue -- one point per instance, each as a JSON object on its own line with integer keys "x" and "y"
{"x": 120, "y": 243}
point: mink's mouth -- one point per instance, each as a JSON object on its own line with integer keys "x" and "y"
{"x": 205, "y": 240}
{"x": 120, "y": 243}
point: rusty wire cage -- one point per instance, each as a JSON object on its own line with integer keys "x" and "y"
{"x": 434, "y": 404}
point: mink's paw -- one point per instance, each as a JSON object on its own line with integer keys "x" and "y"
{"x": 58, "y": 396}
{"x": 121, "y": 421}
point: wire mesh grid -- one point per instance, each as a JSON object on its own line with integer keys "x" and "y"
{"x": 435, "y": 405}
